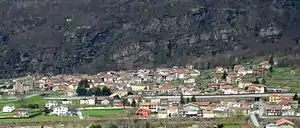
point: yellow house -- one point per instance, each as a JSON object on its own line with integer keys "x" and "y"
{"x": 275, "y": 98}
{"x": 138, "y": 87}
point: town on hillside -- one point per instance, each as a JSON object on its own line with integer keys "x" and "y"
{"x": 242, "y": 96}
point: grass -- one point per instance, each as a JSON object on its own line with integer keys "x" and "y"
{"x": 40, "y": 118}
{"x": 106, "y": 113}
{"x": 285, "y": 77}
{"x": 232, "y": 126}
{"x": 33, "y": 100}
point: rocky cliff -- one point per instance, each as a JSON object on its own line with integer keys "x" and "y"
{"x": 69, "y": 36}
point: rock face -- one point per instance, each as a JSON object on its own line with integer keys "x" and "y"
{"x": 70, "y": 36}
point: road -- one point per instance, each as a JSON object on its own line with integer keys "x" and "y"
{"x": 197, "y": 97}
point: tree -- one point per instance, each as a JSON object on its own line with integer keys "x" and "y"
{"x": 81, "y": 91}
{"x": 263, "y": 81}
{"x": 220, "y": 126}
{"x": 130, "y": 93}
{"x": 148, "y": 125}
{"x": 92, "y": 91}
{"x": 124, "y": 102}
{"x": 95, "y": 126}
{"x": 113, "y": 126}
{"x": 224, "y": 76}
{"x": 106, "y": 91}
{"x": 182, "y": 99}
{"x": 187, "y": 100}
{"x": 295, "y": 97}
{"x": 98, "y": 92}
{"x": 84, "y": 83}
{"x": 271, "y": 69}
{"x": 271, "y": 60}
{"x": 116, "y": 97}
{"x": 193, "y": 99}
{"x": 133, "y": 103}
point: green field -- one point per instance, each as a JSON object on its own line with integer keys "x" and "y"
{"x": 232, "y": 126}
{"x": 106, "y": 113}
{"x": 40, "y": 118}
{"x": 33, "y": 100}
{"x": 284, "y": 77}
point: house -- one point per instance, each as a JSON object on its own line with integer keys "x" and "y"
{"x": 275, "y": 98}
{"x": 172, "y": 111}
{"x": 164, "y": 102}
{"x": 117, "y": 103}
{"x": 208, "y": 113}
{"x": 219, "y": 69}
{"x": 284, "y": 123}
{"x": 151, "y": 106}
{"x": 271, "y": 126}
{"x": 8, "y": 108}
{"x": 90, "y": 101}
{"x": 265, "y": 64}
{"x": 279, "y": 110}
{"x": 191, "y": 110}
{"x": 65, "y": 101}
{"x": 143, "y": 112}
{"x": 50, "y": 104}
{"x": 256, "y": 88}
{"x": 189, "y": 81}
{"x": 166, "y": 89}
{"x": 237, "y": 68}
{"x": 22, "y": 113}
{"x": 260, "y": 71}
{"x": 242, "y": 108}
{"x": 138, "y": 87}
{"x": 162, "y": 113}
{"x": 105, "y": 102}
{"x": 60, "y": 110}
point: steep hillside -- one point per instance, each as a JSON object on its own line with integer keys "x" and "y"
{"x": 69, "y": 36}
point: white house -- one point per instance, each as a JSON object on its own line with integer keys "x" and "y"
{"x": 60, "y": 110}
{"x": 65, "y": 101}
{"x": 50, "y": 104}
{"x": 105, "y": 102}
{"x": 8, "y": 108}
{"x": 90, "y": 101}
{"x": 189, "y": 81}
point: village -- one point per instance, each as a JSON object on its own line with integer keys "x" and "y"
{"x": 241, "y": 92}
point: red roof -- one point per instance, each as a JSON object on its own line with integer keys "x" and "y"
{"x": 201, "y": 103}
{"x": 284, "y": 121}
{"x": 167, "y": 87}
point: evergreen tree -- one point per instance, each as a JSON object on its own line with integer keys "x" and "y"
{"x": 295, "y": 97}
{"x": 133, "y": 104}
{"x": 81, "y": 89}
{"x": 148, "y": 125}
{"x": 106, "y": 91}
{"x": 193, "y": 99}
{"x": 124, "y": 102}
{"x": 95, "y": 126}
{"x": 271, "y": 69}
{"x": 182, "y": 99}
{"x": 98, "y": 92}
{"x": 271, "y": 60}
{"x": 113, "y": 126}
{"x": 84, "y": 83}
{"x": 263, "y": 81}
{"x": 130, "y": 93}
{"x": 116, "y": 97}
{"x": 224, "y": 76}
{"x": 187, "y": 100}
